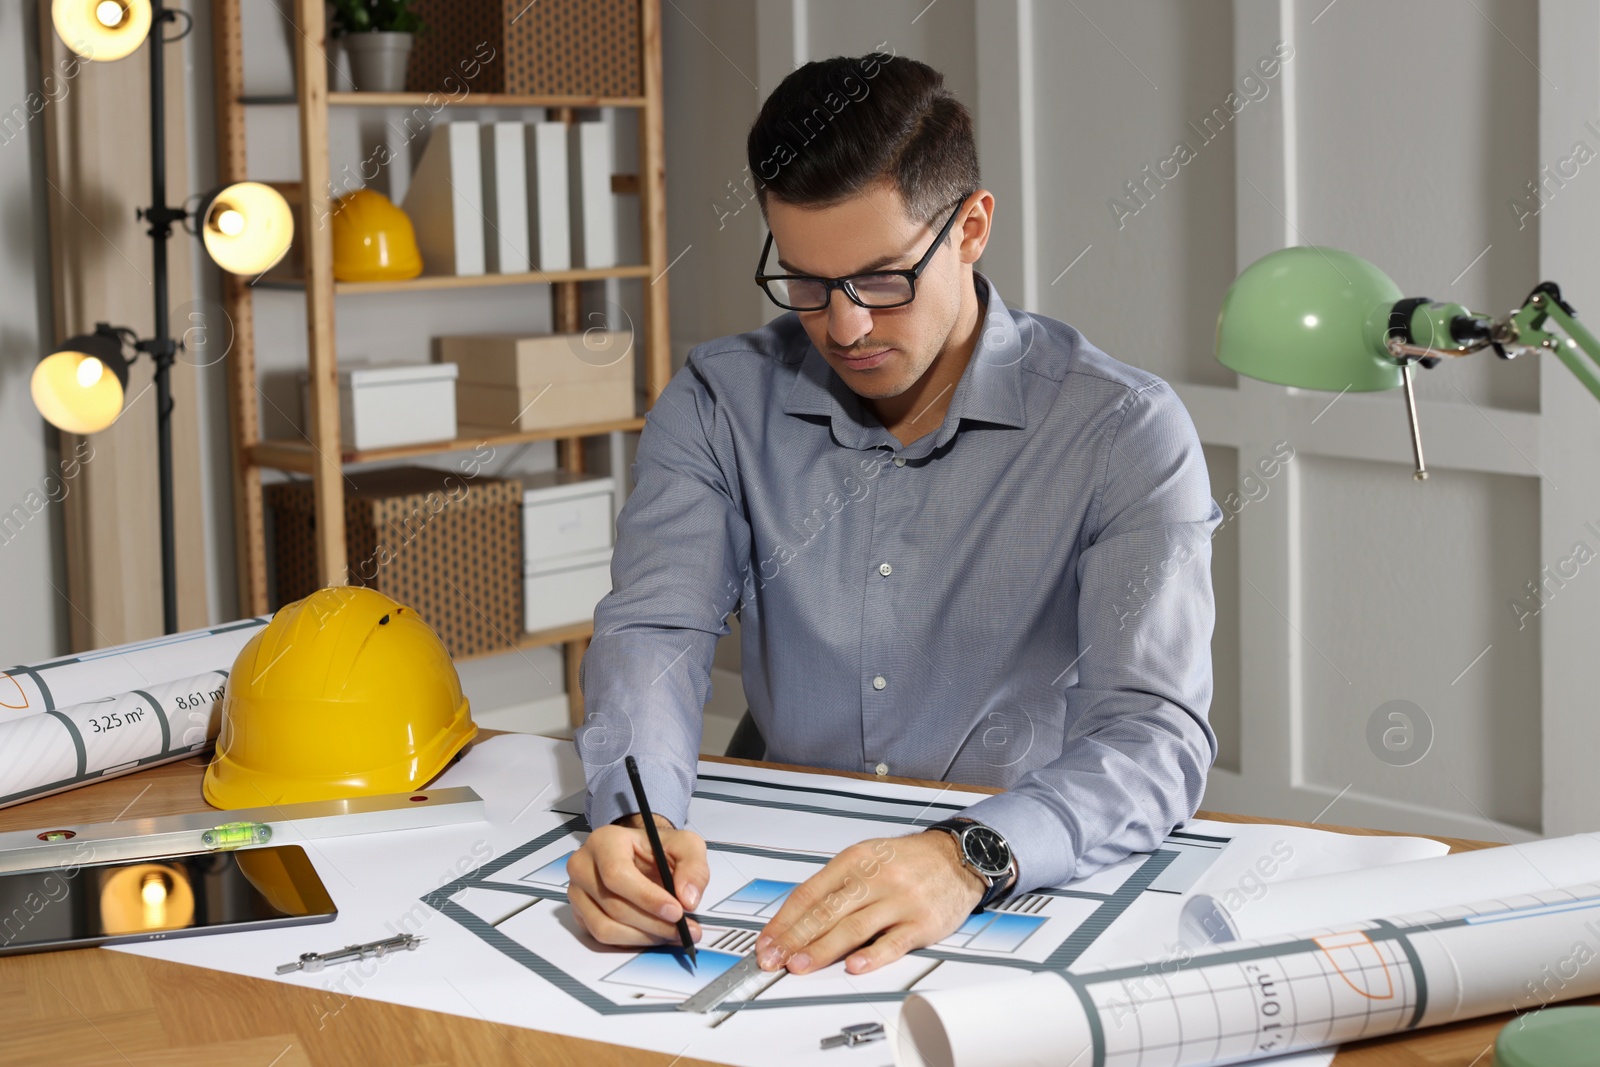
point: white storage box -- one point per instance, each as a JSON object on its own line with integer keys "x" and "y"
{"x": 382, "y": 405}
{"x": 564, "y": 590}
{"x": 563, "y": 513}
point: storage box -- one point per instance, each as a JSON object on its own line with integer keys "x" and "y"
{"x": 566, "y": 589}
{"x": 564, "y": 513}
{"x": 554, "y": 47}
{"x": 387, "y": 404}
{"x": 518, "y": 383}
{"x": 445, "y": 544}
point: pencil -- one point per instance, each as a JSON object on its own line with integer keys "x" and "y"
{"x": 661, "y": 855}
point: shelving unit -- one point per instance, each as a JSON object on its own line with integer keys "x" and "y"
{"x": 320, "y": 455}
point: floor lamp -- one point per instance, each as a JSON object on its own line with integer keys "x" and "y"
{"x": 246, "y": 227}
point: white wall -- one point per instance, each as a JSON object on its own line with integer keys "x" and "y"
{"x": 1398, "y": 132}
{"x": 33, "y": 624}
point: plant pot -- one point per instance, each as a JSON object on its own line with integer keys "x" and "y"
{"x": 378, "y": 60}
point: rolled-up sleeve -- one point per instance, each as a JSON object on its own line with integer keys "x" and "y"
{"x": 1137, "y": 746}
{"x": 682, "y": 545}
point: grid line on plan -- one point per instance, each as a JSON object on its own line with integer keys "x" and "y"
{"x": 1241, "y": 984}
{"x": 740, "y": 941}
{"x": 1216, "y": 1012}
{"x": 1026, "y": 904}
{"x": 1089, "y": 931}
{"x": 845, "y": 793}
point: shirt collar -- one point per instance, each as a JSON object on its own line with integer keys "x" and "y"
{"x": 990, "y": 388}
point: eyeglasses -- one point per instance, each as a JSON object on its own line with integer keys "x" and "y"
{"x": 879, "y": 289}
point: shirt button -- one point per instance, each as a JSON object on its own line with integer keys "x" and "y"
{"x": 885, "y": 570}
{"x": 879, "y": 682}
{"x": 899, "y": 461}
{"x": 881, "y": 769}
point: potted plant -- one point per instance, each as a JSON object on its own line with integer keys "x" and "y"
{"x": 377, "y": 36}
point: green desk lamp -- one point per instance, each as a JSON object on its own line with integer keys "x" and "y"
{"x": 1319, "y": 318}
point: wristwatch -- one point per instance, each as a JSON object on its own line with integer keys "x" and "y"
{"x": 983, "y": 852}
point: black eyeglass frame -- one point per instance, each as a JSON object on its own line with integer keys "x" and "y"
{"x": 844, "y": 284}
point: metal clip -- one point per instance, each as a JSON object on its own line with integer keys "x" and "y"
{"x": 859, "y": 1034}
{"x": 315, "y": 961}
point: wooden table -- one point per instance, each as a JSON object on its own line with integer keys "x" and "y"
{"x": 92, "y": 1006}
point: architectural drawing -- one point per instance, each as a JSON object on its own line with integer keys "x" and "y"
{"x": 515, "y": 903}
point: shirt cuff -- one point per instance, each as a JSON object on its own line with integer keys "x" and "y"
{"x": 667, "y": 784}
{"x": 1042, "y": 845}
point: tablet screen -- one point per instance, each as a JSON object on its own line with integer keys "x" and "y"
{"x": 138, "y": 900}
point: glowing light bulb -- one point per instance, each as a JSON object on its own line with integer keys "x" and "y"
{"x": 101, "y": 30}
{"x": 153, "y": 892}
{"x": 248, "y": 228}
{"x": 1310, "y": 320}
{"x": 89, "y": 372}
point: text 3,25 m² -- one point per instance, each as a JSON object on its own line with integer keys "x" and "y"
{"x": 102, "y": 723}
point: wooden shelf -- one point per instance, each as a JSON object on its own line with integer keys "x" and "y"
{"x": 480, "y": 100}
{"x": 466, "y": 281}
{"x": 557, "y": 635}
{"x": 470, "y": 100}
{"x": 296, "y": 454}
{"x": 318, "y": 454}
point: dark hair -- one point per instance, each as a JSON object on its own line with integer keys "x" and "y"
{"x": 835, "y": 126}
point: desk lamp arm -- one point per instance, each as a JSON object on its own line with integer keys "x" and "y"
{"x": 1520, "y": 331}
{"x": 1545, "y": 304}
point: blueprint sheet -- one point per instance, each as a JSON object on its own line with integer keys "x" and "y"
{"x": 490, "y": 898}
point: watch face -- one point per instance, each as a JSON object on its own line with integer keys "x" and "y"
{"x": 987, "y": 850}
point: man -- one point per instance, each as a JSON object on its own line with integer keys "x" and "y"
{"x": 963, "y": 544}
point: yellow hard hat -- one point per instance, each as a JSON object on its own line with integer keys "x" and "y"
{"x": 372, "y": 239}
{"x": 345, "y": 693}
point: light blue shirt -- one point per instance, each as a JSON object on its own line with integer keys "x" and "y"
{"x": 1021, "y": 598}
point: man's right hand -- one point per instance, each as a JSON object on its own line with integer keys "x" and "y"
{"x": 615, "y": 888}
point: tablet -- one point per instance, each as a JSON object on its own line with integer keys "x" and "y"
{"x": 156, "y": 899}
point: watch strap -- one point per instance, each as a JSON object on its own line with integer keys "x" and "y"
{"x": 999, "y": 888}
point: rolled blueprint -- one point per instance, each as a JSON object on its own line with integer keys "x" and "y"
{"x": 68, "y": 747}
{"x": 1252, "y": 999}
{"x": 39, "y": 687}
{"x": 1392, "y": 889}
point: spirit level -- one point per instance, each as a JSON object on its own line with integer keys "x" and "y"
{"x": 172, "y": 835}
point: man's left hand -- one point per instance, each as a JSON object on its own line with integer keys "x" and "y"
{"x": 907, "y": 892}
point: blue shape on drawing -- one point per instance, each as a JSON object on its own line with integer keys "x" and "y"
{"x": 761, "y": 897}
{"x": 553, "y": 873}
{"x": 666, "y": 969}
{"x": 994, "y": 932}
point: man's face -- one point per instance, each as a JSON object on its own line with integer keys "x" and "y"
{"x": 879, "y": 352}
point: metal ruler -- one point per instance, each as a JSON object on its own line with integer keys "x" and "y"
{"x": 206, "y": 831}
{"x": 742, "y": 982}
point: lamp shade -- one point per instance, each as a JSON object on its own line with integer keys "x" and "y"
{"x": 101, "y": 29}
{"x": 80, "y": 387}
{"x": 1314, "y": 318}
{"x": 247, "y": 227}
